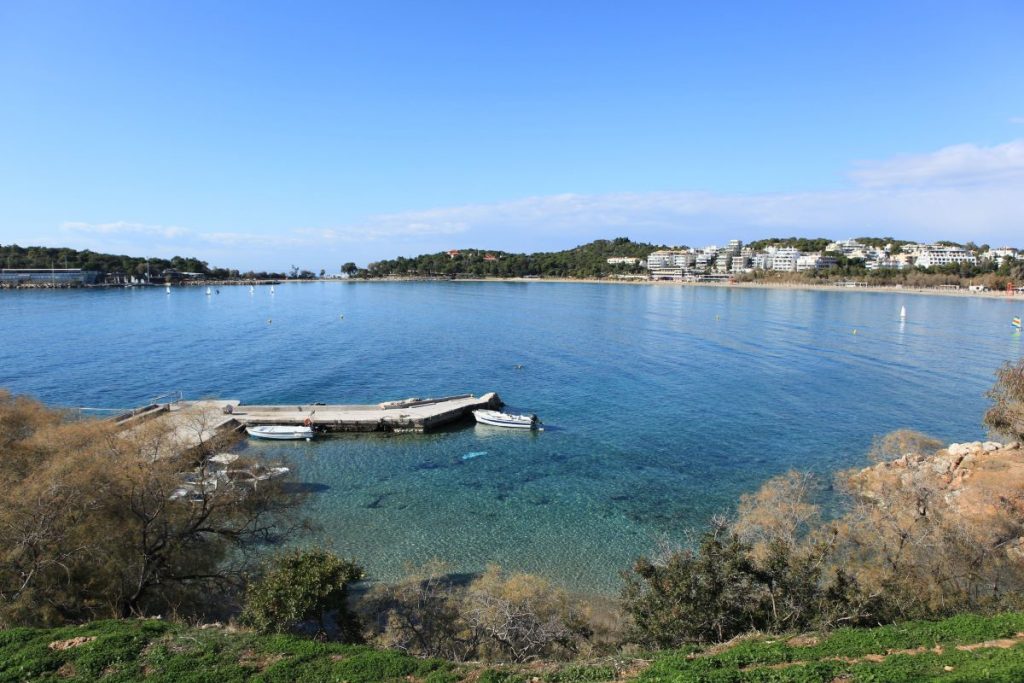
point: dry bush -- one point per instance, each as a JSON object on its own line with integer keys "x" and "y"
{"x": 498, "y": 616}
{"x": 902, "y": 442}
{"x": 916, "y": 557}
{"x": 420, "y": 615}
{"x": 519, "y": 617}
{"x": 1006, "y": 416}
{"x": 88, "y": 527}
{"x": 779, "y": 512}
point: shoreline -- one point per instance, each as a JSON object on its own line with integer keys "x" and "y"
{"x": 878, "y": 289}
{"x": 1018, "y": 296}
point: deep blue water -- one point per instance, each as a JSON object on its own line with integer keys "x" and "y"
{"x": 663, "y": 403}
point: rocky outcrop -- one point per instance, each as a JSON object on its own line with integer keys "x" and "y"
{"x": 979, "y": 482}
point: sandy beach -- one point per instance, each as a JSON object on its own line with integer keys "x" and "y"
{"x": 925, "y": 291}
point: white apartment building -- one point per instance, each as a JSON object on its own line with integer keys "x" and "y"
{"x": 1001, "y": 254}
{"x": 938, "y": 255}
{"x": 785, "y": 258}
{"x": 887, "y": 264}
{"x": 669, "y": 264}
{"x": 814, "y": 261}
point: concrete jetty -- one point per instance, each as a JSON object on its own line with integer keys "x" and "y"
{"x": 196, "y": 424}
{"x": 409, "y": 415}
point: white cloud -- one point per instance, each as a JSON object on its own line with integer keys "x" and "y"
{"x": 126, "y": 228}
{"x": 963, "y": 192}
{"x": 1017, "y": 119}
{"x": 957, "y": 164}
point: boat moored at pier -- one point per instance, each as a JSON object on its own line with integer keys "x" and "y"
{"x": 281, "y": 432}
{"x": 496, "y": 418}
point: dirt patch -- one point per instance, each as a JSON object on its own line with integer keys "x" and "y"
{"x": 1002, "y": 643}
{"x": 67, "y": 670}
{"x": 259, "y": 660}
{"x": 805, "y": 640}
{"x": 632, "y": 669}
{"x": 877, "y": 658}
{"x": 70, "y": 643}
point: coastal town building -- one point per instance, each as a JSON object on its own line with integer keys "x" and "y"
{"x": 43, "y": 276}
{"x": 784, "y": 259}
{"x": 714, "y": 262}
{"x": 1001, "y": 255}
{"x": 815, "y": 261}
{"x": 941, "y": 255}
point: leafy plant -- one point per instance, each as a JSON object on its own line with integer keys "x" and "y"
{"x": 302, "y": 586}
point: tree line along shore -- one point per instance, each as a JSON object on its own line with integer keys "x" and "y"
{"x": 91, "y": 529}
{"x": 615, "y": 260}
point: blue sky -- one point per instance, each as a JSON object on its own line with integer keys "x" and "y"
{"x": 258, "y": 135}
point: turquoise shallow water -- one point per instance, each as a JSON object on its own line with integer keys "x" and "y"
{"x": 662, "y": 403}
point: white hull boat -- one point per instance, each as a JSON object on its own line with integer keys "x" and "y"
{"x": 280, "y": 432}
{"x": 495, "y": 418}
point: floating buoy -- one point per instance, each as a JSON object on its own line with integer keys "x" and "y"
{"x": 855, "y": 330}
{"x": 269, "y": 321}
{"x": 341, "y": 316}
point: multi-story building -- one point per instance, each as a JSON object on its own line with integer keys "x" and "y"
{"x": 669, "y": 264}
{"x": 1001, "y": 255}
{"x": 784, "y": 258}
{"x": 887, "y": 264}
{"x": 940, "y": 255}
{"x": 815, "y": 261}
{"x": 723, "y": 260}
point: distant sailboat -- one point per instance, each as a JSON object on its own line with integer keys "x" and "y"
{"x": 251, "y": 289}
{"x": 271, "y": 289}
{"x": 167, "y": 289}
{"x": 208, "y": 292}
{"x": 903, "y": 312}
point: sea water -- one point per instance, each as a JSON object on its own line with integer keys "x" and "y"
{"x": 661, "y": 404}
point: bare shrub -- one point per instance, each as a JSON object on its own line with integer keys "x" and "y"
{"x": 519, "y": 617}
{"x": 902, "y": 442}
{"x": 1006, "y": 415}
{"x": 420, "y": 615}
{"x": 90, "y": 524}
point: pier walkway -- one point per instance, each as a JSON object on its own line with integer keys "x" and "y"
{"x": 195, "y": 423}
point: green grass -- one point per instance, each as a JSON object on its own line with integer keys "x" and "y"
{"x": 157, "y": 651}
{"x": 161, "y": 652}
{"x": 842, "y": 654}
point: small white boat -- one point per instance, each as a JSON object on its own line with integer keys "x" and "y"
{"x": 498, "y": 419}
{"x": 208, "y": 292}
{"x": 903, "y": 313}
{"x": 280, "y": 432}
{"x": 167, "y": 289}
{"x": 251, "y": 289}
{"x": 271, "y": 289}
